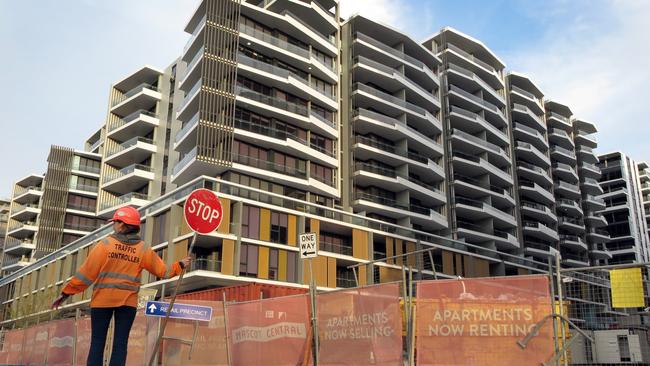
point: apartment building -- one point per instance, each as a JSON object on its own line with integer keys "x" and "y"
{"x": 536, "y": 202}
{"x": 477, "y": 142}
{"x": 644, "y": 182}
{"x": 4, "y": 217}
{"x": 596, "y": 237}
{"x": 50, "y": 211}
{"x": 621, "y": 183}
{"x": 352, "y": 130}
{"x": 393, "y": 153}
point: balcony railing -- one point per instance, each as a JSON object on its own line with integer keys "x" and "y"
{"x": 269, "y": 165}
{"x": 190, "y": 94}
{"x": 127, "y": 144}
{"x": 524, "y": 109}
{"x": 114, "y": 202}
{"x": 477, "y": 183}
{"x": 205, "y": 264}
{"x": 22, "y": 190}
{"x": 569, "y": 186}
{"x": 476, "y": 99}
{"x": 522, "y": 91}
{"x": 114, "y": 125}
{"x": 474, "y": 116}
{"x": 272, "y": 101}
{"x": 390, "y": 98}
{"x": 78, "y": 227}
{"x": 187, "y": 126}
{"x": 532, "y": 167}
{"x": 322, "y": 119}
{"x": 133, "y": 92}
{"x": 394, "y": 73}
{"x": 399, "y": 54}
{"x": 531, "y": 131}
{"x": 268, "y": 38}
{"x": 591, "y": 181}
{"x": 536, "y": 206}
{"x": 470, "y": 57}
{"x": 13, "y": 242}
{"x": 335, "y": 248}
{"x": 375, "y": 169}
{"x": 125, "y": 171}
{"x": 196, "y": 31}
{"x": 18, "y": 207}
{"x": 476, "y": 78}
{"x": 87, "y": 168}
{"x": 84, "y": 187}
{"x": 559, "y": 117}
{"x": 374, "y": 143}
{"x": 195, "y": 59}
{"x": 95, "y": 145}
{"x": 563, "y": 151}
{"x": 79, "y": 207}
{"x": 183, "y": 162}
{"x": 477, "y": 140}
{"x": 10, "y": 260}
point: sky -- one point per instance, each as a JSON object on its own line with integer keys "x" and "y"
{"x": 59, "y": 58}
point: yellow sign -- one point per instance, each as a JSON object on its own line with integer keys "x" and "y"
{"x": 627, "y": 288}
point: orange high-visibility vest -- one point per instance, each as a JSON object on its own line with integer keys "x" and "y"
{"x": 115, "y": 268}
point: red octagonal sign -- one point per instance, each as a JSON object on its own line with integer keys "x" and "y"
{"x": 203, "y": 211}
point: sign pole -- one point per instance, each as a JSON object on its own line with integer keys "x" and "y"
{"x": 163, "y": 325}
{"x": 312, "y": 295}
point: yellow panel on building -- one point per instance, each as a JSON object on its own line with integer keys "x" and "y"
{"x": 389, "y": 274}
{"x": 390, "y": 250}
{"x": 282, "y": 265}
{"x": 361, "y": 250}
{"x": 228, "y": 256}
{"x": 180, "y": 250}
{"x": 224, "y": 227}
{"x": 411, "y": 258}
{"x": 292, "y": 230}
{"x": 263, "y": 263}
{"x": 399, "y": 251}
{"x": 265, "y": 224}
{"x": 331, "y": 272}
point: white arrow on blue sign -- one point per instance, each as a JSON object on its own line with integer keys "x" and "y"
{"x": 179, "y": 311}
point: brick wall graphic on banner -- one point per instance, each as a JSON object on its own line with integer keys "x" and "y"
{"x": 361, "y": 326}
{"x": 269, "y": 332}
{"x": 472, "y": 322}
{"x": 61, "y": 348}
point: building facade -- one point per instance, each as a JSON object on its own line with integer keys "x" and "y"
{"x": 304, "y": 123}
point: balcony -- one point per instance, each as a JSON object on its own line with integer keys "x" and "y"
{"x": 19, "y": 247}
{"x": 532, "y": 154}
{"x": 567, "y": 189}
{"x": 183, "y": 136}
{"x": 136, "y": 149}
{"x": 533, "y": 173}
{"x": 536, "y": 192}
{"x": 474, "y": 188}
{"x": 569, "y": 207}
{"x": 22, "y": 230}
{"x": 28, "y": 194}
{"x": 371, "y": 45}
{"x": 560, "y": 138}
{"x": 563, "y": 155}
{"x": 476, "y": 145}
{"x": 11, "y": 263}
{"x": 193, "y": 70}
{"x": 537, "y": 249}
{"x": 575, "y": 262}
{"x": 586, "y": 154}
{"x": 366, "y": 121}
{"x": 474, "y": 166}
{"x": 474, "y": 233}
{"x": 596, "y": 220}
{"x": 538, "y": 211}
{"x": 471, "y": 102}
{"x": 524, "y": 115}
{"x": 473, "y": 123}
{"x": 390, "y": 208}
{"x": 107, "y": 207}
{"x": 540, "y": 231}
{"x": 571, "y": 224}
{"x": 565, "y": 172}
{"x": 591, "y": 171}
{"x": 483, "y": 69}
{"x": 573, "y": 242}
{"x": 600, "y": 252}
{"x": 190, "y": 103}
{"x": 468, "y": 207}
{"x": 593, "y": 202}
{"x": 520, "y": 95}
{"x": 590, "y": 186}
{"x": 138, "y": 123}
{"x": 128, "y": 179}
{"x": 78, "y": 229}
{"x": 204, "y": 264}
{"x": 530, "y": 135}
{"x": 193, "y": 42}
{"x": 584, "y": 138}
{"x": 470, "y": 80}
{"x": 142, "y": 97}
{"x": 84, "y": 189}
{"x": 556, "y": 119}
{"x": 368, "y": 97}
{"x": 25, "y": 212}
{"x": 645, "y": 189}
{"x": 334, "y": 248}
{"x": 598, "y": 235}
{"x": 370, "y": 71}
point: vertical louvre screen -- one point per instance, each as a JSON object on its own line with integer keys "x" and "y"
{"x": 219, "y": 74}
{"x": 55, "y": 196}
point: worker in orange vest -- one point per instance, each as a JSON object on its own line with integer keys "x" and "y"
{"x": 115, "y": 265}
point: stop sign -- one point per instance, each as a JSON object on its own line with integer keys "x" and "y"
{"x": 203, "y": 211}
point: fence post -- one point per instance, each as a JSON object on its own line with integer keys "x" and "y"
{"x": 225, "y": 325}
{"x": 555, "y": 320}
{"x": 561, "y": 303}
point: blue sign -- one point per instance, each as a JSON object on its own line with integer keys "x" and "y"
{"x": 179, "y": 311}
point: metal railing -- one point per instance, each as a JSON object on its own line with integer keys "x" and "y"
{"x": 124, "y": 171}
{"x": 187, "y": 126}
{"x": 114, "y": 202}
{"x": 272, "y": 101}
{"x": 399, "y": 54}
{"x": 79, "y": 207}
{"x": 530, "y": 130}
{"x": 85, "y": 187}
{"x": 374, "y": 143}
{"x": 127, "y": 144}
{"x": 470, "y": 57}
{"x": 114, "y": 125}
{"x": 524, "y": 92}
{"x": 133, "y": 92}
{"x": 190, "y": 94}
{"x": 195, "y": 60}
{"x": 322, "y": 119}
{"x": 563, "y": 151}
{"x": 204, "y": 264}
{"x": 13, "y": 242}
{"x": 560, "y": 117}
{"x": 269, "y": 38}
{"x": 184, "y": 161}
{"x": 390, "y": 98}
{"x": 477, "y": 140}
{"x": 476, "y": 78}
{"x": 196, "y": 30}
{"x": 524, "y": 109}
{"x": 532, "y": 167}
{"x": 335, "y": 248}
{"x": 375, "y": 169}
{"x": 22, "y": 190}
{"x": 18, "y": 207}
{"x": 269, "y": 165}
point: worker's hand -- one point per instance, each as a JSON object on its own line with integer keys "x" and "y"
{"x": 185, "y": 262}
{"x": 59, "y": 300}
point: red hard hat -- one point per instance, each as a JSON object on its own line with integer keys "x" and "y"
{"x": 127, "y": 215}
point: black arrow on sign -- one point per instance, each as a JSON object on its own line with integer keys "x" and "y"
{"x": 304, "y": 254}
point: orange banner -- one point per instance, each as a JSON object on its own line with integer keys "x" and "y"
{"x": 83, "y": 340}
{"x": 138, "y": 347}
{"x": 36, "y": 344}
{"x": 269, "y": 332}
{"x": 61, "y": 348}
{"x": 478, "y": 321}
{"x": 14, "y": 346}
{"x": 209, "y": 343}
{"x": 360, "y": 326}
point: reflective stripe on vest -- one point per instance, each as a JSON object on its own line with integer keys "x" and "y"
{"x": 116, "y": 275}
{"x": 81, "y": 277}
{"x": 119, "y": 286}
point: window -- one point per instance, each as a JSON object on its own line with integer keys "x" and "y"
{"x": 83, "y": 183}
{"x": 322, "y": 174}
{"x": 160, "y": 228}
{"x": 77, "y": 202}
{"x": 86, "y": 165}
{"x": 250, "y": 227}
{"x": 279, "y": 227}
{"x": 69, "y": 238}
{"x": 322, "y": 144}
{"x": 291, "y": 266}
{"x": 81, "y": 223}
{"x": 248, "y": 260}
{"x": 273, "y": 264}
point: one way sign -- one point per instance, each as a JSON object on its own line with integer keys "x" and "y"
{"x": 308, "y": 246}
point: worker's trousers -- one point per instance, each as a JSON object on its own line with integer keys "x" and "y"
{"x": 100, "y": 318}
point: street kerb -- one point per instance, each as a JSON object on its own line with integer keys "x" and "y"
{"x": 478, "y": 321}
{"x": 61, "y": 346}
{"x": 269, "y": 332}
{"x": 209, "y": 345}
{"x": 360, "y": 326}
